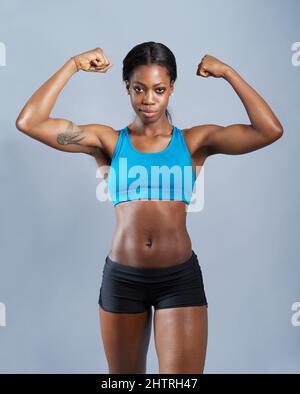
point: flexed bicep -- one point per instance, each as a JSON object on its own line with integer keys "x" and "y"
{"x": 82, "y": 136}
{"x": 64, "y": 135}
{"x": 237, "y": 139}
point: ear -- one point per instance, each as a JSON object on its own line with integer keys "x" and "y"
{"x": 127, "y": 85}
{"x": 172, "y": 87}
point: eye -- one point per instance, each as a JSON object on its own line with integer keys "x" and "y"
{"x": 162, "y": 90}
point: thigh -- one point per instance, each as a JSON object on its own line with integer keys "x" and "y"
{"x": 181, "y": 339}
{"x": 126, "y": 338}
{"x": 125, "y": 318}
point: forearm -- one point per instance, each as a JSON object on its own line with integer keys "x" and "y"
{"x": 260, "y": 114}
{"x": 40, "y": 104}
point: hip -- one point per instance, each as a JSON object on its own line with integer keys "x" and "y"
{"x": 131, "y": 289}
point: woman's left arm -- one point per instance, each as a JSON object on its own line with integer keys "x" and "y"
{"x": 265, "y": 128}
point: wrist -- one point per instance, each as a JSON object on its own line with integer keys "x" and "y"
{"x": 74, "y": 64}
{"x": 227, "y": 72}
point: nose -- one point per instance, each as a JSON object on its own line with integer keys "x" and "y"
{"x": 148, "y": 98}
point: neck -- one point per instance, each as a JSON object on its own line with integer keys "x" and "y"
{"x": 159, "y": 127}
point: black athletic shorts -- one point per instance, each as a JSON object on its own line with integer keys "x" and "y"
{"x": 127, "y": 289}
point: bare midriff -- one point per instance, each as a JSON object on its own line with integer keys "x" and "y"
{"x": 151, "y": 233}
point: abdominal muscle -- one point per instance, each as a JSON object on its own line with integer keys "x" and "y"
{"x": 151, "y": 234}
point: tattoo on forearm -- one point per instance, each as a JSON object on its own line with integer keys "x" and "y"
{"x": 69, "y": 136}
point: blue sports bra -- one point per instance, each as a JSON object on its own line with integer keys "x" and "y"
{"x": 163, "y": 175}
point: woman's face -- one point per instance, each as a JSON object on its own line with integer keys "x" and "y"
{"x": 149, "y": 90}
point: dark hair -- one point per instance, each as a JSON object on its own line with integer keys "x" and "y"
{"x": 150, "y": 53}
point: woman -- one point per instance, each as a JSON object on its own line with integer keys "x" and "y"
{"x": 151, "y": 261}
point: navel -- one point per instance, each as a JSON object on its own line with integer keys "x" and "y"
{"x": 149, "y": 242}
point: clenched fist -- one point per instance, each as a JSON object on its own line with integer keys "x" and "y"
{"x": 94, "y": 60}
{"x": 210, "y": 66}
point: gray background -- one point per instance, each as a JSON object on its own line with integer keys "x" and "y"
{"x": 55, "y": 234}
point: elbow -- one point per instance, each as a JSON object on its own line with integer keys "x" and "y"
{"x": 278, "y": 130}
{"x": 272, "y": 132}
{"x": 278, "y": 133}
{"x": 21, "y": 125}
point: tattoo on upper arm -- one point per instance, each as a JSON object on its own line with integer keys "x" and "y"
{"x": 69, "y": 136}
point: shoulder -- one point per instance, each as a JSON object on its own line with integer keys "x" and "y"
{"x": 103, "y": 130}
{"x": 105, "y": 133}
{"x": 197, "y": 137}
{"x": 203, "y": 129}
{"x": 108, "y": 137}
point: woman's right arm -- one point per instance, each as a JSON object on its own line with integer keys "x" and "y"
{"x": 63, "y": 134}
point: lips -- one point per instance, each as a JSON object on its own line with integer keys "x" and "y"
{"x": 149, "y": 114}
{"x": 148, "y": 111}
